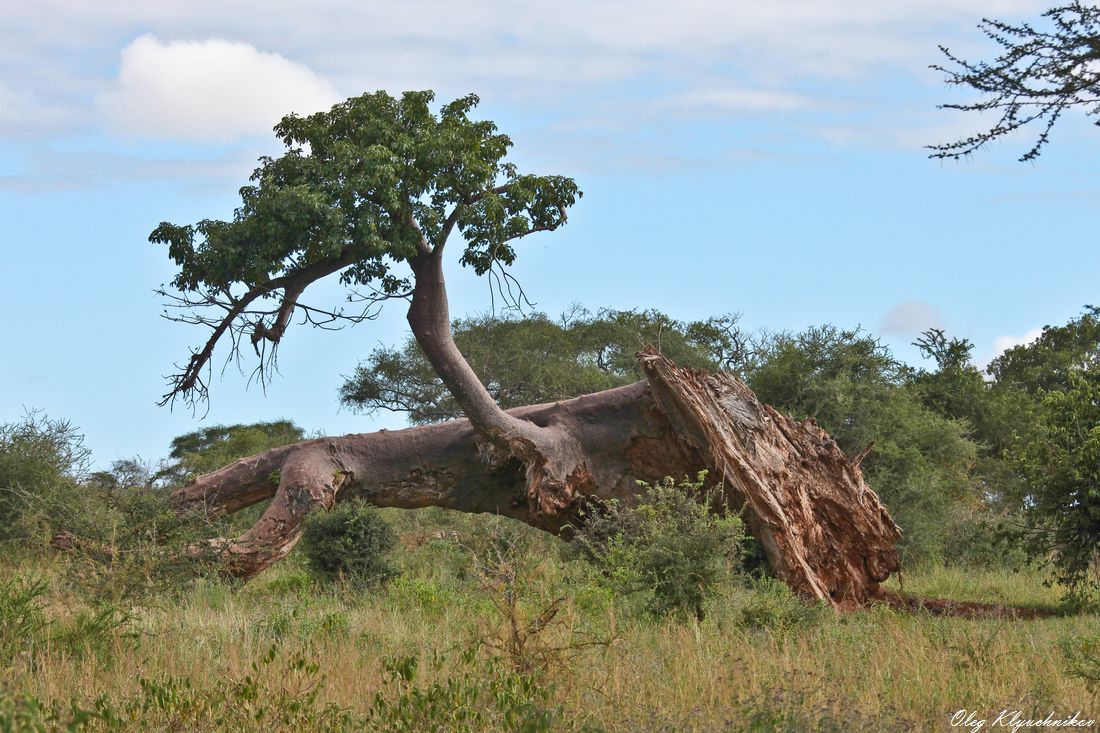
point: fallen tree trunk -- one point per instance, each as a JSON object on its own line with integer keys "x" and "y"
{"x": 823, "y": 530}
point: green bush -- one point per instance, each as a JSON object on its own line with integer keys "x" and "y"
{"x": 671, "y": 549}
{"x": 350, "y": 543}
{"x": 41, "y": 463}
{"x": 772, "y": 605}
{"x": 474, "y": 697}
{"x": 22, "y": 617}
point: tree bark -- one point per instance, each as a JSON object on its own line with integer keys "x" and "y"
{"x": 823, "y": 530}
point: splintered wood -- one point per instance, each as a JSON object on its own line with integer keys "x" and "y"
{"x": 823, "y": 530}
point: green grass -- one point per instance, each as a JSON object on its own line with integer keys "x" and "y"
{"x": 760, "y": 661}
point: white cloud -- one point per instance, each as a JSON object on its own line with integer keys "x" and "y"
{"x": 911, "y": 317}
{"x": 569, "y": 42}
{"x": 208, "y": 90}
{"x": 654, "y": 68}
{"x": 1001, "y": 344}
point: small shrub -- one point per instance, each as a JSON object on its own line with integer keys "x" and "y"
{"x": 25, "y": 627}
{"x": 292, "y": 584}
{"x": 22, "y": 617}
{"x": 772, "y": 605}
{"x": 41, "y": 463}
{"x": 672, "y": 548}
{"x": 350, "y": 543}
{"x": 1082, "y": 659}
{"x": 474, "y": 698}
{"x": 28, "y": 714}
{"x": 94, "y": 632}
{"x": 532, "y": 628}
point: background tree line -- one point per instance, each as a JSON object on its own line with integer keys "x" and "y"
{"x": 988, "y": 468}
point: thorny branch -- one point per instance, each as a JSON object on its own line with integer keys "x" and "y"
{"x": 1036, "y": 78}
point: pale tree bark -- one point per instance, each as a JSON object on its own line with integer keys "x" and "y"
{"x": 824, "y": 531}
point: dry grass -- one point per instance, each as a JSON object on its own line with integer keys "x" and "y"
{"x": 753, "y": 664}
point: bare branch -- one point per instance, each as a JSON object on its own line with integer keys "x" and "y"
{"x": 237, "y": 317}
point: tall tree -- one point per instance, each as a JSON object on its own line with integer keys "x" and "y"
{"x": 1052, "y": 386}
{"x": 1062, "y": 466}
{"x": 1037, "y": 76}
{"x": 373, "y": 191}
{"x": 1046, "y": 363}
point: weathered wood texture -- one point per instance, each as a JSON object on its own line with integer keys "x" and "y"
{"x": 823, "y": 530}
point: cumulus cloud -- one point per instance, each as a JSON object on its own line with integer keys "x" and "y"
{"x": 911, "y": 317}
{"x": 208, "y": 90}
{"x": 1001, "y": 344}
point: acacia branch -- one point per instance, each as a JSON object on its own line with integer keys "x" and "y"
{"x": 1037, "y": 77}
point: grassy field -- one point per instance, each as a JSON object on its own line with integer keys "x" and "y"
{"x": 534, "y": 643}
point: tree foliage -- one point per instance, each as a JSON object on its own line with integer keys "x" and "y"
{"x": 1046, "y": 363}
{"x": 1034, "y": 421}
{"x": 362, "y": 190}
{"x": 1037, "y": 76}
{"x": 534, "y": 359}
{"x": 1062, "y": 467}
{"x": 207, "y": 449}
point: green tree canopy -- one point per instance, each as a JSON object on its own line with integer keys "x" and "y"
{"x": 362, "y": 190}
{"x": 1036, "y": 424}
{"x": 210, "y": 448}
{"x": 1062, "y": 468}
{"x": 1046, "y": 363}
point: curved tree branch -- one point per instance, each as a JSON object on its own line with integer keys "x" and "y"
{"x": 430, "y": 320}
{"x": 189, "y": 382}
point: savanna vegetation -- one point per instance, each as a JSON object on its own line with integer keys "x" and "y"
{"x": 655, "y": 615}
{"x": 941, "y": 562}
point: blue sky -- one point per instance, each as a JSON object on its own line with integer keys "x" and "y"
{"x": 735, "y": 157}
